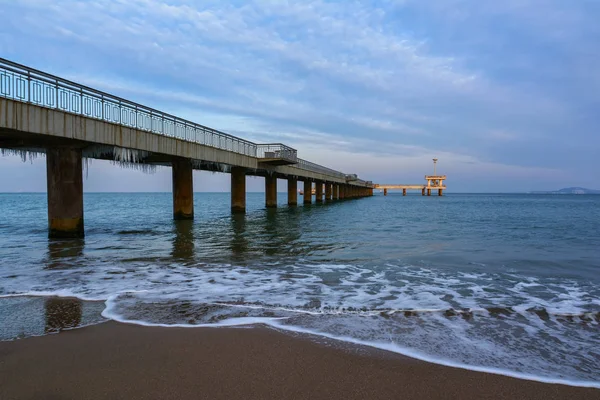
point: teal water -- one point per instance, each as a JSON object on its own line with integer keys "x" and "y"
{"x": 501, "y": 283}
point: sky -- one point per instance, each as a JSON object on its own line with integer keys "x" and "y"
{"x": 505, "y": 93}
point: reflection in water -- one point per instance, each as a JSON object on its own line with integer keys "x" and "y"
{"x": 281, "y": 230}
{"x": 62, "y": 254}
{"x": 239, "y": 240}
{"x": 62, "y": 313}
{"x": 183, "y": 241}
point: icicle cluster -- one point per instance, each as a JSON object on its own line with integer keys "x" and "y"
{"x": 146, "y": 168}
{"x": 128, "y": 155}
{"x": 98, "y": 151}
{"x": 122, "y": 157}
{"x": 210, "y": 166}
{"x": 25, "y": 154}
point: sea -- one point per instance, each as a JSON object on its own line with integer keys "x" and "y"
{"x": 502, "y": 283}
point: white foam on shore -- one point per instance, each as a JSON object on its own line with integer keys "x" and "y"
{"x": 358, "y": 305}
{"x": 434, "y": 360}
{"x": 110, "y": 313}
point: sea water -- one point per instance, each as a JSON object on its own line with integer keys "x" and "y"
{"x": 501, "y": 283}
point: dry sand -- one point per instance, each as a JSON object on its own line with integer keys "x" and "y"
{"x": 119, "y": 361}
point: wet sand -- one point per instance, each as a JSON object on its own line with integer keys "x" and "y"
{"x": 119, "y": 361}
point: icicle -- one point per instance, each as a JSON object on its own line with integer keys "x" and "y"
{"x": 86, "y": 166}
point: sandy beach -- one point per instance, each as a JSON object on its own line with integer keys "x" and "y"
{"x": 120, "y": 361}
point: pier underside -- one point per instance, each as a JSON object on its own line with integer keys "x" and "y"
{"x": 67, "y": 155}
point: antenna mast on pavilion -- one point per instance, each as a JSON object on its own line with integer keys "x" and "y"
{"x": 435, "y": 160}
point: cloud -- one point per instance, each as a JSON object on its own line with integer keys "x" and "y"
{"x": 508, "y": 85}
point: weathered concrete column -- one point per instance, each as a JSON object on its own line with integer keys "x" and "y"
{"x": 328, "y": 192}
{"x": 319, "y": 191}
{"x": 270, "y": 191}
{"x": 342, "y": 191}
{"x": 371, "y": 192}
{"x": 65, "y": 192}
{"x": 307, "y": 192}
{"x": 428, "y": 192}
{"x": 385, "y": 192}
{"x": 238, "y": 190}
{"x": 336, "y": 191}
{"x": 439, "y": 192}
{"x": 423, "y": 192}
{"x": 183, "y": 189}
{"x": 292, "y": 192}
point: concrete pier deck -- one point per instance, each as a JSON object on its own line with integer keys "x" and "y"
{"x": 45, "y": 114}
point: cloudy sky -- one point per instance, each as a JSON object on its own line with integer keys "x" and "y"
{"x": 505, "y": 93}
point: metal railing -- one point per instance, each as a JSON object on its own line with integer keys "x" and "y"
{"x": 28, "y": 85}
{"x": 277, "y": 151}
{"x": 309, "y": 166}
{"x": 21, "y": 83}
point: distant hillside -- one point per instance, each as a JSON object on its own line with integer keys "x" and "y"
{"x": 570, "y": 190}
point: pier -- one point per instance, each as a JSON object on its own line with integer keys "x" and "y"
{"x": 434, "y": 183}
{"x": 70, "y": 123}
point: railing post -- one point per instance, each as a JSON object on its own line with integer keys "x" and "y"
{"x": 56, "y": 93}
{"x": 28, "y": 87}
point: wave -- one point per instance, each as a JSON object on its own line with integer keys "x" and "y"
{"x": 110, "y": 312}
{"x": 531, "y": 328}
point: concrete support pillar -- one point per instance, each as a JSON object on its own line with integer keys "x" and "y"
{"x": 428, "y": 192}
{"x": 423, "y": 192}
{"x": 307, "y": 192}
{"x": 65, "y": 192}
{"x": 319, "y": 191}
{"x": 292, "y": 192}
{"x": 403, "y": 192}
{"x": 271, "y": 191}
{"x": 328, "y": 192}
{"x": 370, "y": 191}
{"x": 439, "y": 192}
{"x": 238, "y": 190}
{"x": 342, "y": 190}
{"x": 336, "y": 191}
{"x": 183, "y": 189}
{"x": 385, "y": 192}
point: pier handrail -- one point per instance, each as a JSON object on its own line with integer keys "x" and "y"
{"x": 310, "y": 166}
{"x": 28, "y": 85}
{"x": 276, "y": 150}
